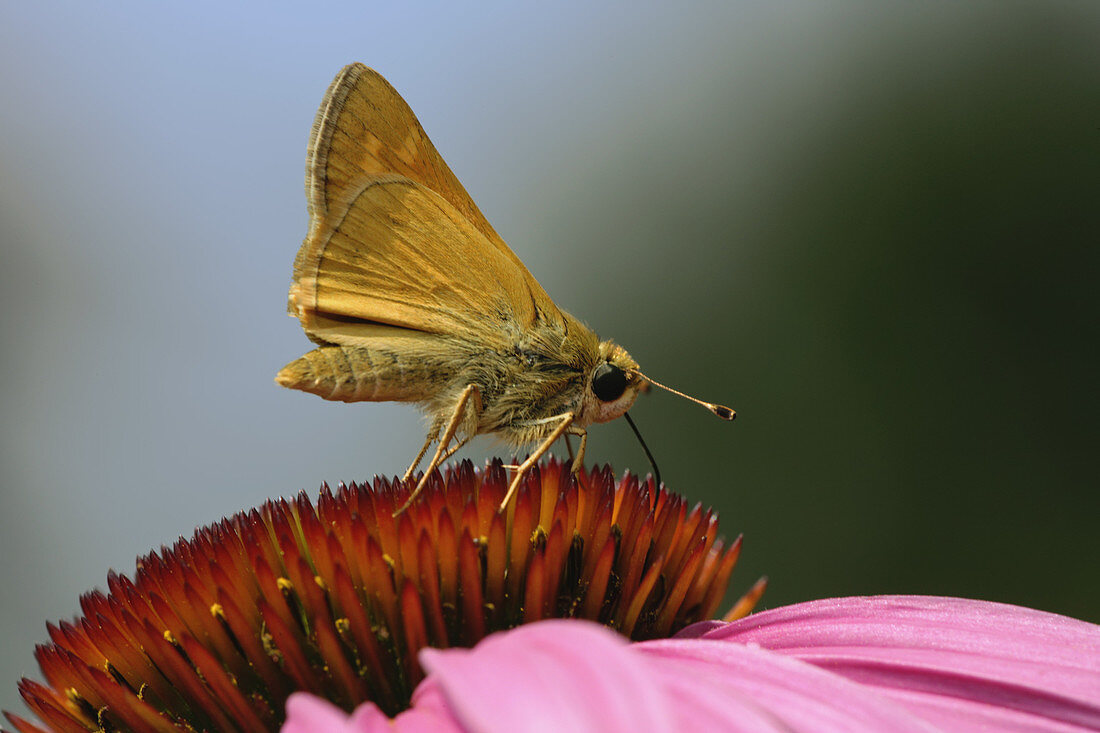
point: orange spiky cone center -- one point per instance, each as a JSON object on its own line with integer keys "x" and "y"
{"x": 337, "y": 597}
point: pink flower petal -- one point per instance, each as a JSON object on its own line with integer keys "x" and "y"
{"x": 742, "y": 688}
{"x": 858, "y": 664}
{"x": 367, "y": 718}
{"x": 959, "y": 664}
{"x": 578, "y": 676}
{"x": 429, "y": 713}
{"x": 306, "y": 713}
{"x": 550, "y": 676}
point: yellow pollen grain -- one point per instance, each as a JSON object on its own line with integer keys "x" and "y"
{"x": 269, "y": 646}
{"x": 320, "y": 582}
{"x": 168, "y": 637}
{"x": 217, "y": 611}
{"x": 284, "y": 584}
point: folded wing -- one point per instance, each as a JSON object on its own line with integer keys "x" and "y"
{"x": 394, "y": 238}
{"x": 402, "y": 256}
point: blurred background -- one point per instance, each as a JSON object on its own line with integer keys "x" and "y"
{"x": 871, "y": 228}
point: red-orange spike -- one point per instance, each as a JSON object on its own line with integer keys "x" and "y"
{"x": 211, "y": 633}
{"x": 181, "y": 674}
{"x": 595, "y": 594}
{"x": 535, "y": 589}
{"x": 445, "y": 553}
{"x": 384, "y": 585}
{"x": 385, "y": 523}
{"x": 21, "y": 725}
{"x": 519, "y": 553}
{"x": 675, "y": 595}
{"x": 693, "y": 599}
{"x": 494, "y": 484}
{"x": 717, "y": 588}
{"x": 150, "y": 640}
{"x": 416, "y": 634}
{"x": 455, "y": 501}
{"x": 635, "y": 548}
{"x": 284, "y": 638}
{"x": 376, "y": 672}
{"x": 636, "y": 599}
{"x": 588, "y": 502}
{"x": 633, "y": 512}
{"x": 596, "y": 534}
{"x": 669, "y": 523}
{"x": 55, "y": 712}
{"x": 222, "y": 688}
{"x": 315, "y": 545}
{"x": 406, "y": 560}
{"x": 554, "y": 566}
{"x": 132, "y": 663}
{"x": 559, "y": 514}
{"x": 350, "y": 687}
{"x": 496, "y": 564}
{"x": 127, "y": 710}
{"x": 358, "y": 561}
{"x": 747, "y": 602}
{"x": 471, "y": 599}
{"x": 470, "y": 520}
{"x": 246, "y": 634}
{"x": 430, "y": 600}
{"x": 69, "y": 637}
{"x": 307, "y": 594}
{"x": 570, "y": 498}
{"x": 686, "y": 537}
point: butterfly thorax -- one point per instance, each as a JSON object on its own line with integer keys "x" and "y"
{"x": 538, "y": 373}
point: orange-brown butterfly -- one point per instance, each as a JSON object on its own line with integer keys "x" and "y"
{"x": 411, "y": 296}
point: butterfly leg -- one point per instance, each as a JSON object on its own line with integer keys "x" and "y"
{"x": 470, "y": 396}
{"x": 431, "y": 437}
{"x": 454, "y": 449}
{"x": 578, "y": 461}
{"x": 433, "y": 433}
{"x": 567, "y": 419}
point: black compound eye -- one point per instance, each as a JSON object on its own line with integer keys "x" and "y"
{"x": 608, "y": 382}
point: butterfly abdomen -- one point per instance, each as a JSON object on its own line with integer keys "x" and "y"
{"x": 360, "y": 374}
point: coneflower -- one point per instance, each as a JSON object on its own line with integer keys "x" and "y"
{"x": 337, "y": 597}
{"x": 573, "y": 611}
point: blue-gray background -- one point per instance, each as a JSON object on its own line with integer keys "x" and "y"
{"x": 872, "y": 228}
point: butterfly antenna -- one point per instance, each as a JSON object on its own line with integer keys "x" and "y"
{"x": 720, "y": 410}
{"x": 656, "y": 471}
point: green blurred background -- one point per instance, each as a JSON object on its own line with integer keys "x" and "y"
{"x": 871, "y": 228}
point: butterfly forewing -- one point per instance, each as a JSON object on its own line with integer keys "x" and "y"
{"x": 394, "y": 238}
{"x": 365, "y": 127}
